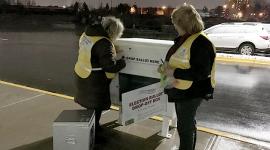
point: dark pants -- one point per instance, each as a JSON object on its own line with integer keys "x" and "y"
{"x": 98, "y": 113}
{"x": 186, "y": 123}
{"x": 97, "y": 117}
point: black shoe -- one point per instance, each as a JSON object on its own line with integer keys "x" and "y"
{"x": 99, "y": 129}
{"x": 100, "y": 139}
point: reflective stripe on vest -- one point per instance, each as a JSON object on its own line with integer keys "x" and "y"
{"x": 180, "y": 59}
{"x": 83, "y": 66}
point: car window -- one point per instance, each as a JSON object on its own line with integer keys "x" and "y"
{"x": 266, "y": 27}
{"x": 260, "y": 29}
{"x": 250, "y": 29}
{"x": 236, "y": 29}
{"x": 217, "y": 29}
{"x": 233, "y": 29}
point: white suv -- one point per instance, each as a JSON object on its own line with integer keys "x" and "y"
{"x": 246, "y": 37}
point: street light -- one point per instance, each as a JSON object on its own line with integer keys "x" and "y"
{"x": 132, "y": 10}
{"x": 163, "y": 7}
{"x": 240, "y": 14}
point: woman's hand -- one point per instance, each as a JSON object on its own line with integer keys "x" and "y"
{"x": 160, "y": 69}
{"x": 121, "y": 63}
{"x": 169, "y": 71}
{"x": 166, "y": 69}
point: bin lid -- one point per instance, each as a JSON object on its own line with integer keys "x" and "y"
{"x": 75, "y": 116}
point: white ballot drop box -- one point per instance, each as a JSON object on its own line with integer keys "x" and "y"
{"x": 143, "y": 57}
{"x": 74, "y": 130}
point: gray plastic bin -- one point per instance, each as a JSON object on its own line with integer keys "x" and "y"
{"x": 74, "y": 130}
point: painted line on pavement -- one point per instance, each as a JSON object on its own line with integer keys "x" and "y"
{"x": 245, "y": 61}
{"x": 216, "y": 143}
{"x": 113, "y": 107}
{"x": 20, "y": 101}
{"x": 211, "y": 143}
{"x": 104, "y": 112}
{"x": 234, "y": 136}
{"x": 36, "y": 90}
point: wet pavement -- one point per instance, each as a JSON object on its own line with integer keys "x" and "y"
{"x": 27, "y": 117}
{"x": 45, "y": 60}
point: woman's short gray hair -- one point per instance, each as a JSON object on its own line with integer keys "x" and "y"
{"x": 113, "y": 26}
{"x": 187, "y": 18}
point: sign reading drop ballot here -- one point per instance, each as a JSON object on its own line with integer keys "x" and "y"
{"x": 143, "y": 56}
{"x": 142, "y": 103}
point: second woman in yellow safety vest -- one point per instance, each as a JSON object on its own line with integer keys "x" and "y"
{"x": 190, "y": 65}
{"x": 96, "y": 65}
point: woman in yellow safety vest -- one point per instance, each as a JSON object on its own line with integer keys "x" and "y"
{"x": 96, "y": 65}
{"x": 190, "y": 67}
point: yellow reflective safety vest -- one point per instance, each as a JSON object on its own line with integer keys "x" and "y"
{"x": 180, "y": 59}
{"x": 83, "y": 67}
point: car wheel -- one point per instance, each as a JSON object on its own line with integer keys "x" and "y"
{"x": 246, "y": 49}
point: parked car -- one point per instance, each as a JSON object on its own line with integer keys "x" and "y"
{"x": 245, "y": 38}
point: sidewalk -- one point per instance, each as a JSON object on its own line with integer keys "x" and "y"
{"x": 27, "y": 116}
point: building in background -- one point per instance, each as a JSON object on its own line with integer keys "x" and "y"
{"x": 252, "y": 10}
{"x": 237, "y": 9}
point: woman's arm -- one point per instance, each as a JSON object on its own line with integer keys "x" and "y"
{"x": 105, "y": 57}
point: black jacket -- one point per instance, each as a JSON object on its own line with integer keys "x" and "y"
{"x": 94, "y": 91}
{"x": 202, "y": 57}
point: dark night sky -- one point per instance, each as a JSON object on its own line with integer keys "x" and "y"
{"x": 145, "y": 3}
{"x": 173, "y": 3}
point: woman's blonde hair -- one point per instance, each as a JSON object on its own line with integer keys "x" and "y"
{"x": 113, "y": 26}
{"x": 187, "y": 18}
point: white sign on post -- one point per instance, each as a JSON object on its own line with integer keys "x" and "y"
{"x": 143, "y": 56}
{"x": 142, "y": 103}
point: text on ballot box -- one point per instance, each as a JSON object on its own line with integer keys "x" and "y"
{"x": 74, "y": 130}
{"x": 142, "y": 103}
